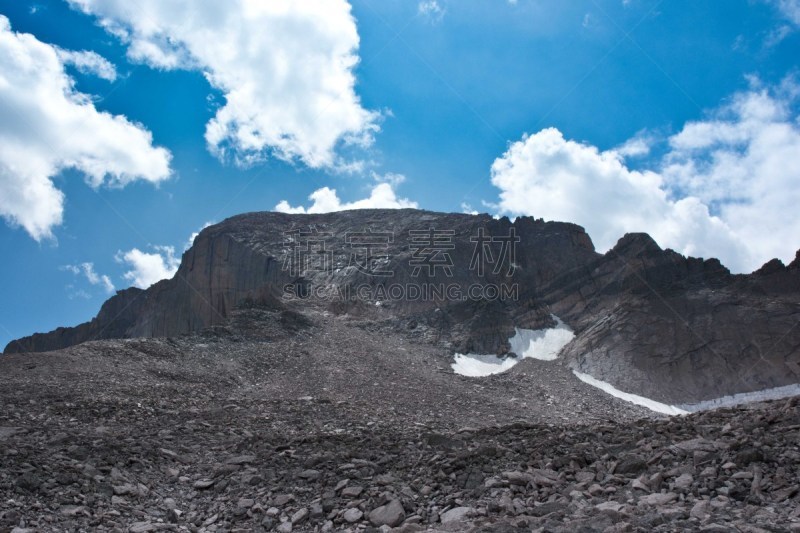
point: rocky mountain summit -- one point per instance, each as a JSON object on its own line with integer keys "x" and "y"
{"x": 648, "y": 321}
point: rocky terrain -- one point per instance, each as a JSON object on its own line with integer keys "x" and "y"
{"x": 277, "y": 421}
{"x": 237, "y": 396}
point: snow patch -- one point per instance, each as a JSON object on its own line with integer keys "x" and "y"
{"x": 542, "y": 344}
{"x": 776, "y": 393}
{"x": 653, "y": 405}
{"x": 478, "y": 366}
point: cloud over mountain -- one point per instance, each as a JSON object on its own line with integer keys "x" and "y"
{"x": 726, "y": 186}
{"x": 326, "y": 200}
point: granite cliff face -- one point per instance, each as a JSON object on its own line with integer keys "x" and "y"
{"x": 647, "y": 320}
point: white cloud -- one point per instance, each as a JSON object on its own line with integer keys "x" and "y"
{"x": 777, "y": 35}
{"x": 467, "y": 209}
{"x": 432, "y": 10}
{"x": 325, "y": 200}
{"x": 391, "y": 178}
{"x": 742, "y": 162}
{"x": 790, "y": 9}
{"x": 87, "y": 269}
{"x": 635, "y": 147}
{"x": 285, "y": 69}
{"x": 149, "y": 268}
{"x": 546, "y": 176}
{"x": 88, "y": 62}
{"x": 46, "y": 126}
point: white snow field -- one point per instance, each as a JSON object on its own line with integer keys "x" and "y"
{"x": 543, "y": 344}
{"x": 478, "y": 366}
{"x": 776, "y": 393}
{"x": 653, "y": 405}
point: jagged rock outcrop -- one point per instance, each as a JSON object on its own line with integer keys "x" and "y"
{"x": 647, "y": 320}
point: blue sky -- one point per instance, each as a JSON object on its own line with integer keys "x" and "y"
{"x": 676, "y": 118}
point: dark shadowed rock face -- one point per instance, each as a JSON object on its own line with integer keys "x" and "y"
{"x": 647, "y": 320}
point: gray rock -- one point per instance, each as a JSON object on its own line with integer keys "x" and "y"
{"x": 658, "y": 499}
{"x": 701, "y": 510}
{"x": 245, "y": 503}
{"x": 518, "y": 478}
{"x": 241, "y": 460}
{"x": 684, "y": 481}
{"x": 352, "y": 492}
{"x": 546, "y": 509}
{"x": 282, "y": 499}
{"x": 392, "y": 514}
{"x": 122, "y": 490}
{"x": 609, "y": 507}
{"x": 352, "y": 515}
{"x": 457, "y": 514}
{"x": 309, "y": 474}
{"x": 203, "y": 484}
{"x": 316, "y": 510}
{"x": 300, "y": 516}
{"x": 631, "y": 466}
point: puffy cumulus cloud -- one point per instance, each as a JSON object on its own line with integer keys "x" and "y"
{"x": 284, "y": 67}
{"x": 46, "y": 126}
{"x": 547, "y": 176}
{"x": 325, "y": 200}
{"x": 88, "y": 271}
{"x": 744, "y": 162}
{"x": 728, "y": 187}
{"x": 149, "y": 268}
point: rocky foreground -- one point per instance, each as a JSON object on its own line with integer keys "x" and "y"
{"x": 237, "y": 467}
{"x": 320, "y": 428}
